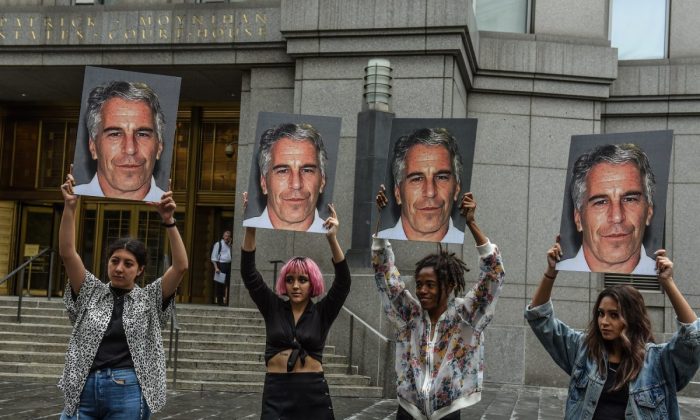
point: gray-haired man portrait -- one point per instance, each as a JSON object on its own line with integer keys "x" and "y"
{"x": 426, "y": 168}
{"x": 125, "y": 127}
{"x": 292, "y": 162}
{"x": 612, "y": 190}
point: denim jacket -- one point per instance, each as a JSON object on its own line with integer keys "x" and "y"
{"x": 668, "y": 367}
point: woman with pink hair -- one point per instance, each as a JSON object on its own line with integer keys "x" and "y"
{"x": 296, "y": 328}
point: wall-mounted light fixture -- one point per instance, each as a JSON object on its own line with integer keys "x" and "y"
{"x": 230, "y": 150}
{"x": 378, "y": 84}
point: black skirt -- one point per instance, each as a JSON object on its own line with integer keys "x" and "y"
{"x": 296, "y": 396}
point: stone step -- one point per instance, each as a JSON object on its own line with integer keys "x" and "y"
{"x": 40, "y": 330}
{"x": 26, "y": 368}
{"x": 216, "y": 336}
{"x": 244, "y": 376}
{"x": 185, "y": 309}
{"x": 187, "y": 342}
{"x": 23, "y": 346}
{"x": 248, "y": 366}
{"x": 254, "y": 327}
{"x": 31, "y": 302}
{"x": 335, "y": 390}
{"x": 241, "y": 355}
{"x": 36, "y": 329}
{"x": 20, "y": 341}
{"x": 194, "y": 361}
{"x": 226, "y": 319}
{"x": 32, "y": 357}
{"x": 32, "y": 318}
{"x": 12, "y": 311}
{"x": 220, "y": 349}
{"x": 9, "y": 314}
{"x": 33, "y": 338}
{"x": 244, "y": 354}
{"x": 222, "y": 328}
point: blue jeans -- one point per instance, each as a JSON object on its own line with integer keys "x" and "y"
{"x": 113, "y": 394}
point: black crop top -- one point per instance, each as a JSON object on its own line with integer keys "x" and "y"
{"x": 308, "y": 337}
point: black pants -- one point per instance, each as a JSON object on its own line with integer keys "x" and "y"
{"x": 402, "y": 414}
{"x": 221, "y": 290}
{"x": 296, "y": 396}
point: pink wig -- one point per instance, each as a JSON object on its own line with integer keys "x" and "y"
{"x": 301, "y": 265}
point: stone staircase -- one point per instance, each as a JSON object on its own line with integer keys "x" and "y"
{"x": 220, "y": 349}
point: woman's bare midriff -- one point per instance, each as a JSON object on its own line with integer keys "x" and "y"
{"x": 278, "y": 363}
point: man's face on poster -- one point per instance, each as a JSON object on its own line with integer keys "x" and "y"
{"x": 293, "y": 184}
{"x": 427, "y": 191}
{"x": 126, "y": 148}
{"x": 613, "y": 217}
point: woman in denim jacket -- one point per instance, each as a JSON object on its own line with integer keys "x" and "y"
{"x": 617, "y": 372}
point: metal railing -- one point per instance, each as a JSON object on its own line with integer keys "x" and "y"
{"x": 174, "y": 325}
{"x": 351, "y": 339}
{"x": 20, "y": 270}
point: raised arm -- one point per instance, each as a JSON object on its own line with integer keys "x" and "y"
{"x": 173, "y": 275}
{"x": 664, "y": 266}
{"x": 543, "y": 293}
{"x": 331, "y": 304}
{"x": 332, "y": 225}
{"x": 398, "y": 303}
{"x": 468, "y": 210}
{"x": 75, "y": 269}
{"x": 261, "y": 294}
{"x": 560, "y": 341}
{"x": 249, "y": 235}
{"x": 681, "y": 355}
{"x": 477, "y": 307}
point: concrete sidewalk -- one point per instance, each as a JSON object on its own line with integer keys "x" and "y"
{"x": 499, "y": 402}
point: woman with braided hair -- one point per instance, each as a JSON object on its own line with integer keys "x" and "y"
{"x": 439, "y": 358}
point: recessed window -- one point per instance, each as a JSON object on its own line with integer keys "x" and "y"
{"x": 502, "y": 15}
{"x": 638, "y": 28}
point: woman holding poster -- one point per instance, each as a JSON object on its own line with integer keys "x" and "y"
{"x": 115, "y": 364}
{"x": 296, "y": 327}
{"x": 617, "y": 371}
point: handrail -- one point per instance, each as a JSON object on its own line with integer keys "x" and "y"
{"x": 351, "y": 337}
{"x": 24, "y": 264}
{"x": 369, "y": 327}
{"x": 20, "y": 270}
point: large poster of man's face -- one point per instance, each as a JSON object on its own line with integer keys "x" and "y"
{"x": 291, "y": 179}
{"x": 429, "y": 168}
{"x": 125, "y": 134}
{"x": 615, "y": 202}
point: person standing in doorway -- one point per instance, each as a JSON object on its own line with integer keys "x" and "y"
{"x": 221, "y": 259}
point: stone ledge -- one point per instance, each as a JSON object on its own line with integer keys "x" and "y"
{"x": 547, "y": 55}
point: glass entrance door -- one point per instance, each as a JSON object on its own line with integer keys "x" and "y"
{"x": 36, "y": 235}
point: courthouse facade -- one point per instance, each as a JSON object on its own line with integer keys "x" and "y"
{"x": 531, "y": 84}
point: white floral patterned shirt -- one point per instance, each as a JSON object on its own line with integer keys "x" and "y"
{"x": 438, "y": 372}
{"x": 143, "y": 320}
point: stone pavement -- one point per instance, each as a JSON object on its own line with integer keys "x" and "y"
{"x": 499, "y": 402}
